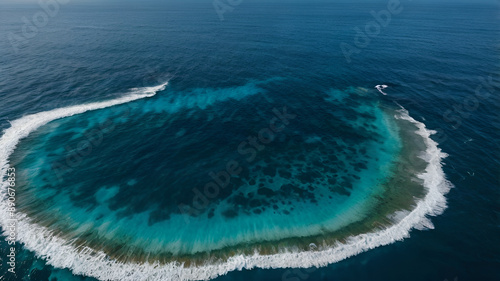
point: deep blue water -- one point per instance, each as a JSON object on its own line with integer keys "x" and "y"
{"x": 432, "y": 56}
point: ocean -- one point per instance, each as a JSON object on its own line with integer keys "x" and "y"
{"x": 248, "y": 140}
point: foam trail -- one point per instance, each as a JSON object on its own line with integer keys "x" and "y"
{"x": 380, "y": 88}
{"x": 64, "y": 254}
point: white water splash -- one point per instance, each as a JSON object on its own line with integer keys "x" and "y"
{"x": 380, "y": 88}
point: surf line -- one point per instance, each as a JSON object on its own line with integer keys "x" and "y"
{"x": 62, "y": 253}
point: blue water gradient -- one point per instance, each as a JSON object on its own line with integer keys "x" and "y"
{"x": 432, "y": 56}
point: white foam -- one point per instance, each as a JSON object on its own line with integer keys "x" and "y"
{"x": 380, "y": 88}
{"x": 84, "y": 261}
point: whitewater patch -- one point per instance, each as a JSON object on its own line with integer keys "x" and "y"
{"x": 61, "y": 253}
{"x": 380, "y": 88}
